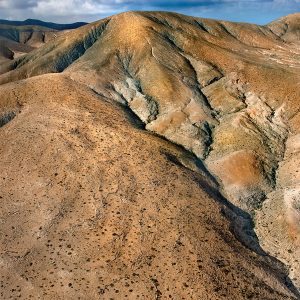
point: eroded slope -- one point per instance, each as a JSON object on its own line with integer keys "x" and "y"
{"x": 93, "y": 207}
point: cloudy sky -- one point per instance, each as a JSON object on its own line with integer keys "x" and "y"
{"x": 256, "y": 11}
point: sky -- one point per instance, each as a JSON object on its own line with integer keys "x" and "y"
{"x": 68, "y": 11}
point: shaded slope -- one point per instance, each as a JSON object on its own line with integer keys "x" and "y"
{"x": 93, "y": 207}
{"x": 10, "y": 50}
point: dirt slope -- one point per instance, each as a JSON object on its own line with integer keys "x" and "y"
{"x": 93, "y": 207}
{"x": 226, "y": 92}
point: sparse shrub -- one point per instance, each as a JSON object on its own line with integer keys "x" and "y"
{"x": 5, "y": 118}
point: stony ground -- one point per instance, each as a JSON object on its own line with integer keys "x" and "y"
{"x": 95, "y": 206}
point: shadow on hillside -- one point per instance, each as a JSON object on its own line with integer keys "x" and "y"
{"x": 242, "y": 225}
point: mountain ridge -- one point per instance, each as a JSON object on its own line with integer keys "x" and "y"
{"x": 35, "y": 22}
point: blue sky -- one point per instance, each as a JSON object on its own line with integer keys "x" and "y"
{"x": 255, "y": 11}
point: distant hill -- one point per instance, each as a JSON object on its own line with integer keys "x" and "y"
{"x": 34, "y": 22}
{"x": 20, "y": 37}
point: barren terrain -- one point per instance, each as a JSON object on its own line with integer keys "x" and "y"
{"x": 136, "y": 151}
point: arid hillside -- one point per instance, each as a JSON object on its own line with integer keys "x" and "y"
{"x": 140, "y": 169}
{"x": 18, "y": 38}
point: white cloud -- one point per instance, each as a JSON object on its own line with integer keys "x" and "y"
{"x": 88, "y": 10}
{"x": 71, "y": 7}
